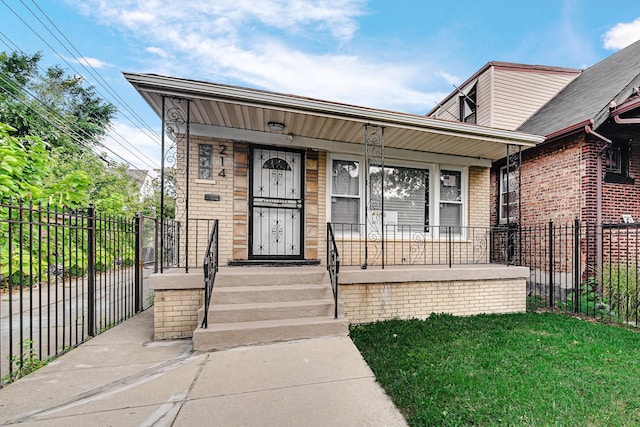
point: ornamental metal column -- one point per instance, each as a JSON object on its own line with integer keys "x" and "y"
{"x": 514, "y": 161}
{"x": 175, "y": 123}
{"x": 374, "y": 233}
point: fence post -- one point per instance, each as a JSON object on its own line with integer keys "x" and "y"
{"x": 450, "y": 244}
{"x": 91, "y": 271}
{"x": 138, "y": 263}
{"x": 156, "y": 230}
{"x": 551, "y": 284}
{"x": 576, "y": 266}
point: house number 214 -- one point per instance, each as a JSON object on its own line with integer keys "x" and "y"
{"x": 223, "y": 150}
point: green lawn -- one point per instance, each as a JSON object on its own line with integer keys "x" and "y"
{"x": 521, "y": 369}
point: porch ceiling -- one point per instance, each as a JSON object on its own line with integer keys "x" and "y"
{"x": 238, "y": 113}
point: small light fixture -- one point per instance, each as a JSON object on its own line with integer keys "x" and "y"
{"x": 276, "y": 126}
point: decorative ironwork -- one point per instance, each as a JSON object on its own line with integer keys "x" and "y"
{"x": 514, "y": 162}
{"x": 480, "y": 247}
{"x": 210, "y": 270}
{"x": 175, "y": 125}
{"x": 374, "y": 207}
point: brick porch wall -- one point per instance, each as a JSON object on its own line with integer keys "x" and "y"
{"x": 175, "y": 313}
{"x": 374, "y": 295}
{"x": 365, "y": 303}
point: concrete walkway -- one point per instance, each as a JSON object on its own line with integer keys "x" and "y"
{"x": 123, "y": 378}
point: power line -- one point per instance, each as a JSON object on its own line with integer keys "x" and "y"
{"x": 149, "y": 162}
{"x": 61, "y": 122}
{"x": 91, "y": 69}
{"x": 73, "y": 68}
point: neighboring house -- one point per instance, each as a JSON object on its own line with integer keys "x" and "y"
{"x": 591, "y": 121}
{"x": 144, "y": 179}
{"x": 398, "y": 189}
{"x": 503, "y": 94}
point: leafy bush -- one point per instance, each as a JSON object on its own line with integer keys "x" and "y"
{"x": 620, "y": 287}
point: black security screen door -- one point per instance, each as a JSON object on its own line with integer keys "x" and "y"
{"x": 276, "y": 204}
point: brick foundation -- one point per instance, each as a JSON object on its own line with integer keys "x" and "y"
{"x": 400, "y": 297}
{"x": 175, "y": 313}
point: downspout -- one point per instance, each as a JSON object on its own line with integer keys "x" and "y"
{"x": 589, "y": 130}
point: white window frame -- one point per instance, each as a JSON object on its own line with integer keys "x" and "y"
{"x": 504, "y": 195}
{"x": 464, "y": 185}
{"x": 434, "y": 189}
{"x": 330, "y": 195}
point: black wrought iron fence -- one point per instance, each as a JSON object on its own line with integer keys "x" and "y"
{"x": 333, "y": 266}
{"x": 185, "y": 250}
{"x": 64, "y": 277}
{"x": 364, "y": 245}
{"x": 583, "y": 268}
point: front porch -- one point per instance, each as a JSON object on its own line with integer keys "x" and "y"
{"x": 252, "y": 305}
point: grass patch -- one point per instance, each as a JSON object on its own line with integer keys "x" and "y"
{"x": 520, "y": 369}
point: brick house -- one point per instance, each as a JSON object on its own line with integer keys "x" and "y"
{"x": 590, "y": 120}
{"x": 579, "y": 184}
{"x": 405, "y": 199}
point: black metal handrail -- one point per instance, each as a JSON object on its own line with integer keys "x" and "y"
{"x": 210, "y": 270}
{"x": 333, "y": 265}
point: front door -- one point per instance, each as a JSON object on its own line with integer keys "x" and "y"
{"x": 276, "y": 204}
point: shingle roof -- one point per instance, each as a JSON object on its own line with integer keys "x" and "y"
{"x": 588, "y": 96}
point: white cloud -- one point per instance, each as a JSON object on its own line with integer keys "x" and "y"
{"x": 449, "y": 78}
{"x": 158, "y": 51}
{"x": 622, "y": 35}
{"x": 93, "y": 62}
{"x": 267, "y": 46}
{"x": 141, "y": 150}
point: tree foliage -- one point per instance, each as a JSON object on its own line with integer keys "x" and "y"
{"x": 50, "y": 144}
{"x": 52, "y": 105}
{"x": 24, "y": 165}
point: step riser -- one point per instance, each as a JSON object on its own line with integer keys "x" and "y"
{"x": 204, "y": 340}
{"x": 218, "y": 315}
{"x": 223, "y": 296}
{"x": 267, "y": 279}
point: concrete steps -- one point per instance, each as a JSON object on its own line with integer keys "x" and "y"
{"x": 253, "y": 305}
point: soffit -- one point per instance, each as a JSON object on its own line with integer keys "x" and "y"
{"x": 221, "y": 106}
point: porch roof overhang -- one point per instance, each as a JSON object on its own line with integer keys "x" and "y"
{"x": 243, "y": 114}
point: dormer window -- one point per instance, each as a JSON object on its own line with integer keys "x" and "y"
{"x": 468, "y": 106}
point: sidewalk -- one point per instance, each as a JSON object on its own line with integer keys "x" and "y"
{"x": 122, "y": 378}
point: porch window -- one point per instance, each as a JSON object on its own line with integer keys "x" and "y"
{"x": 205, "y": 161}
{"x": 345, "y": 192}
{"x": 507, "y": 195}
{"x": 451, "y": 198}
{"x": 406, "y": 196}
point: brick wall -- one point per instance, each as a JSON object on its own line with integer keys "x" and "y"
{"x": 240, "y": 201}
{"x": 552, "y": 177}
{"x": 221, "y": 183}
{"x": 175, "y": 312}
{"x": 479, "y": 197}
{"x": 623, "y": 198}
{"x": 365, "y": 303}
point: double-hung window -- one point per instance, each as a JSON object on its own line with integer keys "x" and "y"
{"x": 507, "y": 195}
{"x": 345, "y": 192}
{"x": 451, "y": 208}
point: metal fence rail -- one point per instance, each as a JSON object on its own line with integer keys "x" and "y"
{"x": 64, "y": 276}
{"x": 364, "y": 245}
{"x": 583, "y": 268}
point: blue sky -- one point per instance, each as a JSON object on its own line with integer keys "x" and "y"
{"x": 401, "y": 55}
